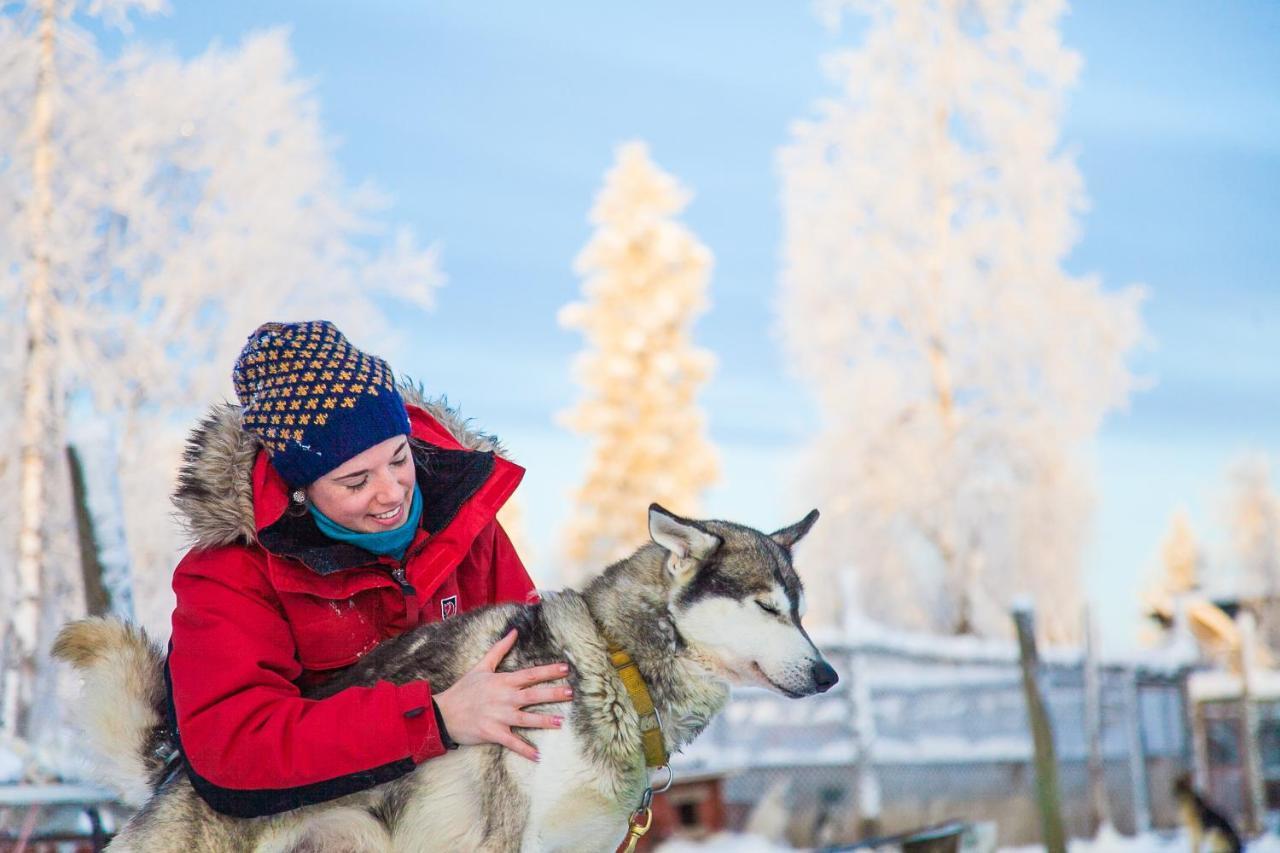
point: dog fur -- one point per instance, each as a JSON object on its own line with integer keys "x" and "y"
{"x": 704, "y": 605}
{"x": 1208, "y": 830}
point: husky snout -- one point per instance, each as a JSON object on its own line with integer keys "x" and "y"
{"x": 824, "y": 676}
{"x": 808, "y": 675}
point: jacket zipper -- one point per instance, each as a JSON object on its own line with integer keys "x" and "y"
{"x": 398, "y": 573}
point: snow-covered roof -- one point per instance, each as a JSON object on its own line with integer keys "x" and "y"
{"x": 865, "y": 636}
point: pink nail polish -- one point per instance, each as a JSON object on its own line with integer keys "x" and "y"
{"x": 559, "y": 721}
{"x": 564, "y": 667}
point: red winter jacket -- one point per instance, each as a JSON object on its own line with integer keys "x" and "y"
{"x": 265, "y": 603}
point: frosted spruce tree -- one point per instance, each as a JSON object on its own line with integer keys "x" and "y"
{"x": 1175, "y": 579}
{"x": 1253, "y": 523}
{"x": 1253, "y": 516}
{"x": 156, "y": 211}
{"x": 959, "y": 369}
{"x": 645, "y": 281}
{"x": 1180, "y": 556}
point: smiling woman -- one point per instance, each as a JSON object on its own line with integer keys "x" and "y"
{"x": 372, "y": 493}
{"x": 329, "y": 516}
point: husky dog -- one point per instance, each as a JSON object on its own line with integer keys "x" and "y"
{"x": 704, "y": 605}
{"x": 1208, "y": 829}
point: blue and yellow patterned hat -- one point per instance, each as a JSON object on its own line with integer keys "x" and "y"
{"x": 314, "y": 400}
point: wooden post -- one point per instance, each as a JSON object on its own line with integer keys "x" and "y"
{"x": 1101, "y": 806}
{"x": 1046, "y": 759}
{"x": 1200, "y": 748}
{"x": 862, "y": 717}
{"x": 1137, "y": 756}
{"x": 97, "y": 598}
{"x": 1195, "y": 749}
{"x": 1255, "y": 795}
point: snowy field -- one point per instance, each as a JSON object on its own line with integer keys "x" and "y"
{"x": 1106, "y": 842}
{"x": 1111, "y": 842}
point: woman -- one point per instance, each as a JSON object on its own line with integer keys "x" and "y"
{"x": 327, "y": 516}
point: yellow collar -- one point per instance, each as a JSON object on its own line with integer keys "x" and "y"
{"x": 655, "y": 747}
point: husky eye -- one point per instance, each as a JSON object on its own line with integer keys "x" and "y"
{"x": 769, "y": 608}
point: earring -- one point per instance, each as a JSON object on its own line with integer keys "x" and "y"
{"x": 299, "y": 496}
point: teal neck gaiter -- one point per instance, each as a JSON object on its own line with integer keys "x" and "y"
{"x": 385, "y": 543}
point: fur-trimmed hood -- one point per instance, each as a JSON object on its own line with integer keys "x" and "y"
{"x": 214, "y": 495}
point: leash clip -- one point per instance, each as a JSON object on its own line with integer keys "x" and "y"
{"x": 641, "y": 820}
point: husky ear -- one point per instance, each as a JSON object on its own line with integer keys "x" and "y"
{"x": 688, "y": 545}
{"x": 788, "y": 536}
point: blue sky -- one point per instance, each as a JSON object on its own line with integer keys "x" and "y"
{"x": 491, "y": 125}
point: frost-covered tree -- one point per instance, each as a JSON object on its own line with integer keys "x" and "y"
{"x": 1253, "y": 516}
{"x": 1178, "y": 573}
{"x": 645, "y": 281}
{"x": 1253, "y": 521}
{"x": 153, "y": 212}
{"x": 959, "y": 369}
{"x": 1180, "y": 556}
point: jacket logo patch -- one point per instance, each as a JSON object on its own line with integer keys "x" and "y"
{"x": 448, "y": 607}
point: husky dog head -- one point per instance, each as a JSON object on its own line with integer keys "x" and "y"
{"x": 737, "y": 602}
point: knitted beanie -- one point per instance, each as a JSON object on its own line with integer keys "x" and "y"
{"x": 314, "y": 400}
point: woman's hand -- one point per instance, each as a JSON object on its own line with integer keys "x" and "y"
{"x": 483, "y": 705}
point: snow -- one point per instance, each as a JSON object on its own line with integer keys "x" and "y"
{"x": 53, "y": 794}
{"x": 746, "y": 754}
{"x": 1107, "y": 841}
{"x": 1219, "y": 685}
{"x": 722, "y": 842}
{"x": 1213, "y": 685}
{"x": 1022, "y": 604}
{"x": 861, "y": 634}
{"x": 1110, "y": 841}
{"x": 10, "y": 766}
{"x": 928, "y": 749}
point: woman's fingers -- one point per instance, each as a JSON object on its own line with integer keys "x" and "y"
{"x": 484, "y": 705}
{"x": 517, "y": 744}
{"x": 497, "y": 652}
{"x": 526, "y": 720}
{"x": 543, "y": 695}
{"x": 537, "y": 674}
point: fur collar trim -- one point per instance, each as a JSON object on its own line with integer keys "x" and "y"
{"x": 214, "y": 496}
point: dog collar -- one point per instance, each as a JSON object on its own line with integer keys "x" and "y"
{"x": 655, "y": 747}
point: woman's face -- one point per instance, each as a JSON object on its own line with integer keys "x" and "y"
{"x": 370, "y": 492}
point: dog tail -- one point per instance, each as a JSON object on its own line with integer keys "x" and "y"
{"x": 121, "y": 708}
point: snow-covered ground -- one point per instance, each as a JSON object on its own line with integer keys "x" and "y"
{"x": 1106, "y": 842}
{"x": 723, "y": 842}
{"x": 1113, "y": 842}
